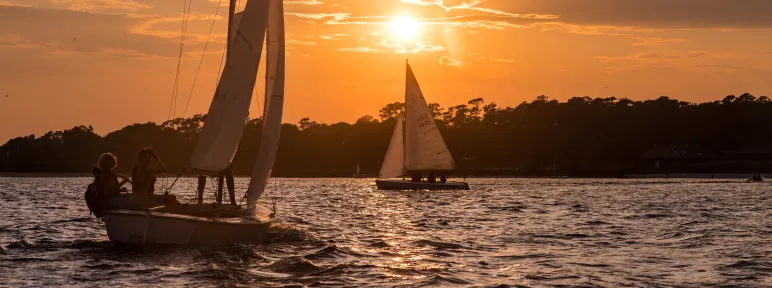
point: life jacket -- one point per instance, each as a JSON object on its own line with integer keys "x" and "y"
{"x": 94, "y": 199}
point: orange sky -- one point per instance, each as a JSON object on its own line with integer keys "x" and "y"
{"x": 110, "y": 63}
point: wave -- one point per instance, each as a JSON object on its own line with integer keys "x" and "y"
{"x": 294, "y": 265}
{"x": 438, "y": 244}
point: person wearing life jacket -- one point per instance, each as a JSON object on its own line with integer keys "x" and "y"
{"x": 108, "y": 185}
{"x": 143, "y": 180}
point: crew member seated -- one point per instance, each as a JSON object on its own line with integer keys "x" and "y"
{"x": 107, "y": 182}
{"x": 143, "y": 180}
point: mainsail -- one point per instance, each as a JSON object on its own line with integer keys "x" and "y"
{"x": 424, "y": 147}
{"x": 235, "y": 19}
{"x": 274, "y": 104}
{"x": 394, "y": 162}
{"x": 228, "y": 112}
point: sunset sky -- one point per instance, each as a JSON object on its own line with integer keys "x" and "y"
{"x": 110, "y": 63}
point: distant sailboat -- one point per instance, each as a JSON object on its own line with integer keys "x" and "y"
{"x": 416, "y": 145}
{"x": 357, "y": 174}
{"x": 205, "y": 224}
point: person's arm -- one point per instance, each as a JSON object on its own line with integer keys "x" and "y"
{"x": 125, "y": 180}
{"x": 160, "y": 163}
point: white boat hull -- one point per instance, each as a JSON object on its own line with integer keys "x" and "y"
{"x": 147, "y": 228}
{"x": 397, "y": 184}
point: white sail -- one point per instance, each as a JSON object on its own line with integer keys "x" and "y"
{"x": 358, "y": 173}
{"x": 274, "y": 104}
{"x": 425, "y": 149}
{"x": 394, "y": 162}
{"x": 228, "y": 112}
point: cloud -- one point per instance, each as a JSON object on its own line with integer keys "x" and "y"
{"x": 656, "y": 14}
{"x": 148, "y": 27}
{"x": 359, "y": 50}
{"x": 694, "y": 61}
{"x": 629, "y": 18}
{"x": 58, "y": 49}
{"x": 102, "y": 5}
{"x": 650, "y": 41}
{"x": 333, "y": 36}
{"x": 445, "y": 60}
{"x": 299, "y": 42}
{"x": 320, "y": 16}
{"x": 450, "y": 5}
{"x": 305, "y": 2}
{"x": 58, "y": 29}
{"x": 411, "y": 48}
{"x": 461, "y": 21}
{"x": 500, "y": 60}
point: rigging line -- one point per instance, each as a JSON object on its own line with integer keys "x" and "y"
{"x": 179, "y": 57}
{"x": 219, "y": 69}
{"x": 222, "y": 57}
{"x": 185, "y": 17}
{"x": 184, "y": 33}
{"x": 211, "y": 28}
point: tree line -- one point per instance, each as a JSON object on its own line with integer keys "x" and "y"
{"x": 581, "y": 136}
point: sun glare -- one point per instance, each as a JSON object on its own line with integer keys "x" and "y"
{"x": 404, "y": 27}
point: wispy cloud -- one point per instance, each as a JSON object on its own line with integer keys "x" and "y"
{"x": 333, "y": 36}
{"x": 103, "y": 5}
{"x": 449, "y": 5}
{"x": 60, "y": 49}
{"x": 694, "y": 61}
{"x": 359, "y": 50}
{"x": 500, "y": 60}
{"x": 650, "y": 41}
{"x": 299, "y": 42}
{"x": 411, "y": 48}
{"x": 320, "y": 16}
{"x": 304, "y": 2}
{"x": 445, "y": 60}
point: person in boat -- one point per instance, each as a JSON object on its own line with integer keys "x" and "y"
{"x": 143, "y": 180}
{"x": 431, "y": 178}
{"x": 416, "y": 177}
{"x": 227, "y": 174}
{"x": 443, "y": 179}
{"x": 107, "y": 181}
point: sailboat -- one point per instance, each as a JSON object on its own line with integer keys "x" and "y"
{"x": 358, "y": 174}
{"x": 211, "y": 224}
{"x": 416, "y": 145}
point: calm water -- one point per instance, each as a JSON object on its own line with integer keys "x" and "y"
{"x": 344, "y": 232}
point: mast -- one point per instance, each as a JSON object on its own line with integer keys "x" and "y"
{"x": 231, "y": 12}
{"x": 267, "y": 74}
{"x": 404, "y": 123}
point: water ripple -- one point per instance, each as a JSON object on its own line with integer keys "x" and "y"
{"x": 344, "y": 233}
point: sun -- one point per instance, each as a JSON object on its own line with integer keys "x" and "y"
{"x": 404, "y": 27}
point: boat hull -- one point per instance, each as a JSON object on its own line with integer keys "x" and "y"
{"x": 147, "y": 228}
{"x": 396, "y": 184}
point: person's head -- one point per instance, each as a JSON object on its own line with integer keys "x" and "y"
{"x": 107, "y": 162}
{"x": 145, "y": 155}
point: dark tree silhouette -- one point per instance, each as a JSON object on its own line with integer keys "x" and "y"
{"x": 582, "y": 136}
